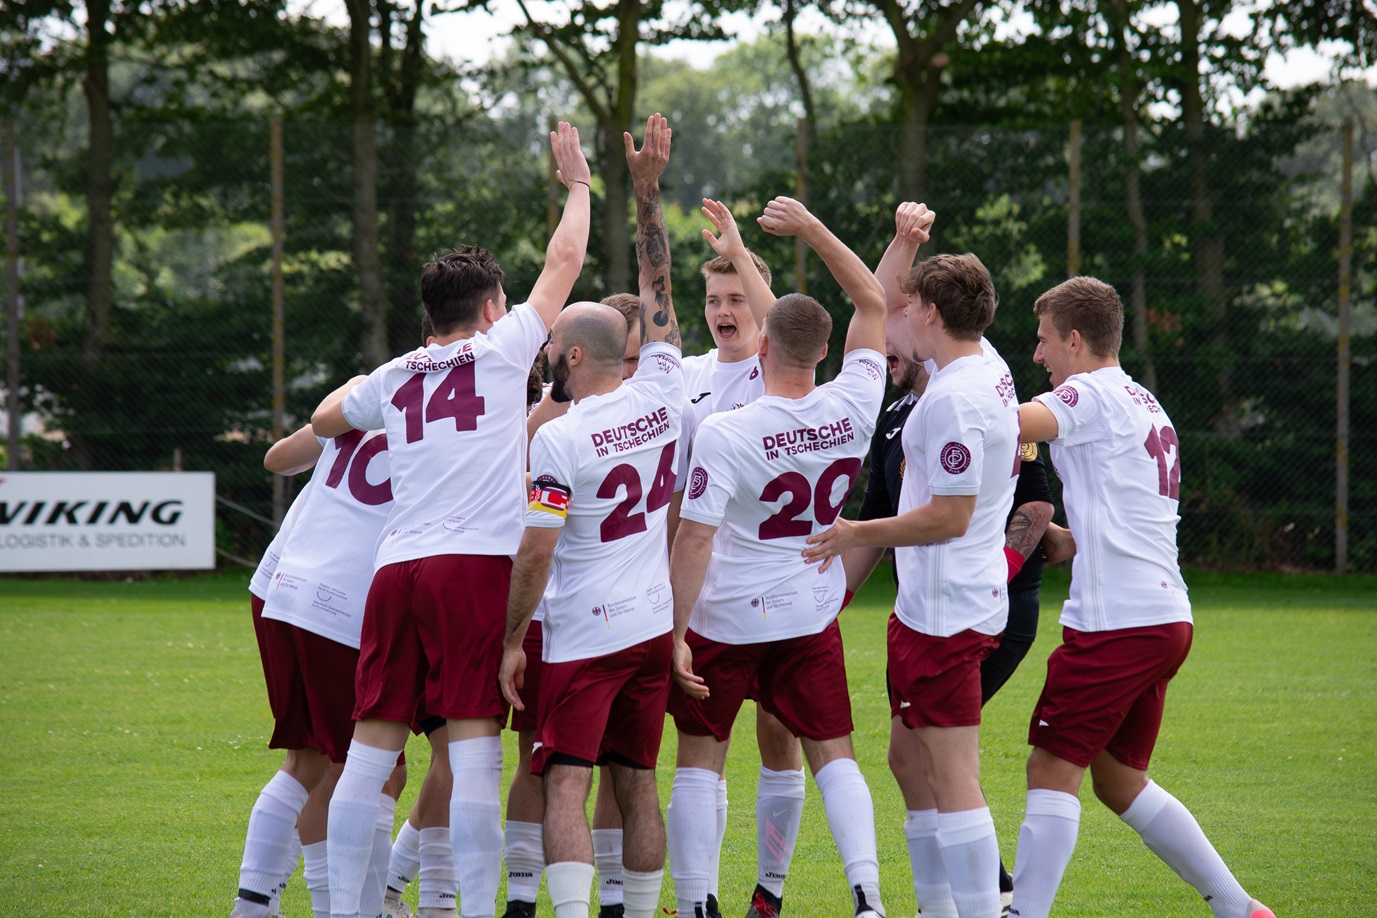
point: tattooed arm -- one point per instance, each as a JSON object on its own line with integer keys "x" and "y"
{"x": 652, "y": 243}
{"x": 1026, "y": 527}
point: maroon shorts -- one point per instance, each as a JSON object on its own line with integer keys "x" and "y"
{"x": 534, "y": 645}
{"x": 310, "y": 686}
{"x": 1105, "y": 691}
{"x": 609, "y": 708}
{"x": 935, "y": 681}
{"x": 801, "y": 681}
{"x": 432, "y": 632}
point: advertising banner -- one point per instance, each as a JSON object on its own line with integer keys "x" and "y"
{"x": 107, "y": 521}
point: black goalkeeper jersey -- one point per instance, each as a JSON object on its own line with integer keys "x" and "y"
{"x": 887, "y": 477}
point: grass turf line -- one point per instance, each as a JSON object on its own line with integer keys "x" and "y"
{"x": 135, "y": 723}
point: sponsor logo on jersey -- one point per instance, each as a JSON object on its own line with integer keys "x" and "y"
{"x": 872, "y": 368}
{"x": 424, "y": 363}
{"x": 1068, "y": 395}
{"x": 698, "y": 482}
{"x": 956, "y": 458}
{"x": 1028, "y": 452}
{"x": 701, "y": 396}
{"x": 602, "y": 610}
{"x": 549, "y": 496}
{"x": 755, "y": 372}
{"x": 891, "y": 434}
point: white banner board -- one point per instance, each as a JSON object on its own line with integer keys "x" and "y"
{"x": 107, "y": 521}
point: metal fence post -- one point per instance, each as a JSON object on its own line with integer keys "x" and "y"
{"x": 1341, "y": 432}
{"x": 12, "y": 303}
{"x": 279, "y": 320}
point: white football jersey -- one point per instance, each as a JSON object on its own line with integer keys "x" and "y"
{"x": 961, "y": 439}
{"x": 261, "y": 581}
{"x": 714, "y": 386}
{"x": 455, "y": 417}
{"x": 326, "y": 567}
{"x": 605, "y": 473}
{"x": 1120, "y": 465}
{"x": 768, "y": 476}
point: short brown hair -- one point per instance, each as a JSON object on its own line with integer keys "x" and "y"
{"x": 961, "y": 289}
{"x": 629, "y": 305}
{"x": 797, "y": 328}
{"x": 455, "y": 286}
{"x": 723, "y": 265}
{"x": 1089, "y": 306}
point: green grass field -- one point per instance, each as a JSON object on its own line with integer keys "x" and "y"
{"x": 135, "y": 725}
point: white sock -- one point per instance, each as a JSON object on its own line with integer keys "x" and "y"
{"x": 690, "y": 834}
{"x": 778, "y": 812}
{"x": 716, "y": 866}
{"x": 475, "y": 822}
{"x": 971, "y": 853}
{"x": 1169, "y": 829}
{"x": 439, "y": 876}
{"x": 525, "y": 860}
{"x": 929, "y": 872}
{"x": 269, "y": 853}
{"x": 607, "y": 855}
{"x": 570, "y": 884}
{"x": 289, "y": 867}
{"x": 1045, "y": 843}
{"x": 353, "y": 822}
{"x": 851, "y": 817}
{"x": 317, "y": 874}
{"x": 375, "y": 884}
{"x": 406, "y": 857}
{"x": 642, "y": 892}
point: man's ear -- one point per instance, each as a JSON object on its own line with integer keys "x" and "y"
{"x": 823, "y": 355}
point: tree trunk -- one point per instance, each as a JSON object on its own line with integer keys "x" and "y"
{"x": 1207, "y": 246}
{"x": 367, "y": 262}
{"x": 402, "y": 162}
{"x": 1133, "y": 197}
{"x": 616, "y": 241}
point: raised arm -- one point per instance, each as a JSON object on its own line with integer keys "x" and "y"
{"x": 787, "y": 217}
{"x": 569, "y": 244}
{"x": 328, "y": 419}
{"x": 912, "y": 228}
{"x": 294, "y": 453}
{"x": 728, "y": 244}
{"x": 658, "y": 322}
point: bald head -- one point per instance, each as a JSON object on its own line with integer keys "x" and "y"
{"x": 599, "y": 330}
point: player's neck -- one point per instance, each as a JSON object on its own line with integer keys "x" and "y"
{"x": 789, "y": 383}
{"x": 948, "y": 350}
{"x": 598, "y": 385}
{"x": 737, "y": 354}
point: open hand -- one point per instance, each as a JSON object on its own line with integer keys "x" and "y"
{"x": 648, "y": 163}
{"x": 728, "y": 241}
{"x": 826, "y": 545}
{"x": 570, "y": 164}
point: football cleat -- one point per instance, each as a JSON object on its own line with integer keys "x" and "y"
{"x": 764, "y": 904}
{"x": 431, "y": 911}
{"x": 518, "y": 909}
{"x": 713, "y": 911}
{"x": 394, "y": 907}
{"x": 1257, "y": 910}
{"x": 615, "y": 910}
{"x": 863, "y": 908}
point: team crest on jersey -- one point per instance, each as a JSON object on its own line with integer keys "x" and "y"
{"x": 1068, "y": 395}
{"x": 956, "y": 458}
{"x": 549, "y": 496}
{"x": 698, "y": 482}
{"x": 872, "y": 368}
{"x": 1028, "y": 452}
{"x": 666, "y": 363}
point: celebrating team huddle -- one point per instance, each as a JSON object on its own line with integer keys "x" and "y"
{"x": 662, "y": 534}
